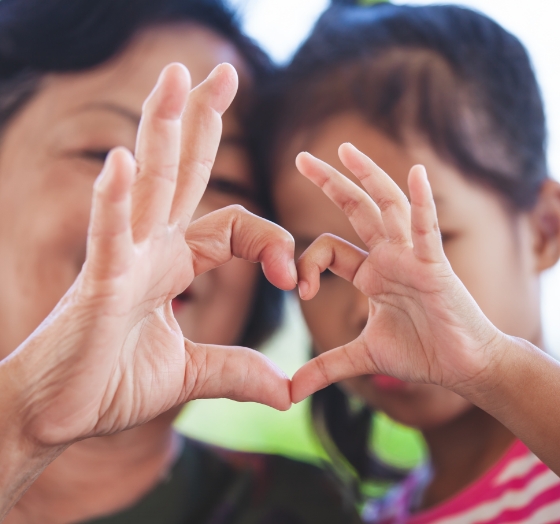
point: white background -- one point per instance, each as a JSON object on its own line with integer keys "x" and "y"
{"x": 280, "y": 25}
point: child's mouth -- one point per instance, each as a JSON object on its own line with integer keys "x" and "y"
{"x": 387, "y": 383}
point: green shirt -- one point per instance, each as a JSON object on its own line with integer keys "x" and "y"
{"x": 210, "y": 486}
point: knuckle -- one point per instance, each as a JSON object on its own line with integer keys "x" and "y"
{"x": 384, "y": 203}
{"x": 323, "y": 370}
{"x": 237, "y": 209}
{"x": 163, "y": 172}
{"x": 325, "y": 239}
{"x": 285, "y": 242}
{"x": 201, "y": 167}
{"x": 350, "y": 206}
{"x": 424, "y": 231}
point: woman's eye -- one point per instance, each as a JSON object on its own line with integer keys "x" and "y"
{"x": 98, "y": 155}
{"x": 230, "y": 188}
{"x": 447, "y": 236}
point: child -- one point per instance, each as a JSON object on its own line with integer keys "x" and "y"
{"x": 447, "y": 88}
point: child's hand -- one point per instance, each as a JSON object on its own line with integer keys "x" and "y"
{"x": 423, "y": 324}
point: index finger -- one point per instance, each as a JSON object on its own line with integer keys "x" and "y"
{"x": 233, "y": 231}
{"x": 201, "y": 133}
{"x": 356, "y": 204}
{"x": 392, "y": 202}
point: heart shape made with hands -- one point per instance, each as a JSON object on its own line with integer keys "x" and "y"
{"x": 111, "y": 355}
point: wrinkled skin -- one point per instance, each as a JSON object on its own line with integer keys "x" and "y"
{"x": 124, "y": 360}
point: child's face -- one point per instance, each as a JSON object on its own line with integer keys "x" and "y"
{"x": 489, "y": 248}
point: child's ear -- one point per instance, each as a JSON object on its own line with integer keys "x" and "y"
{"x": 545, "y": 219}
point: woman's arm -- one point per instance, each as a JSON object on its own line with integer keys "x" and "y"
{"x": 423, "y": 325}
{"x": 111, "y": 355}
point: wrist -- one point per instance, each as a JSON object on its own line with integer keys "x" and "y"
{"x": 503, "y": 369}
{"x": 22, "y": 457}
{"x": 486, "y": 367}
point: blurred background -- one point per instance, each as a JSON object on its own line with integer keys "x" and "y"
{"x": 279, "y": 26}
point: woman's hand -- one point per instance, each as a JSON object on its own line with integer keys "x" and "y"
{"x": 111, "y": 355}
{"x": 423, "y": 324}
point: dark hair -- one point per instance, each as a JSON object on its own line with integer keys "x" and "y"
{"x": 345, "y": 433}
{"x": 452, "y": 76}
{"x": 38, "y": 37}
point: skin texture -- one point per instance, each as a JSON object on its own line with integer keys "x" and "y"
{"x": 44, "y": 381}
{"x": 59, "y": 141}
{"x": 511, "y": 250}
{"x": 124, "y": 360}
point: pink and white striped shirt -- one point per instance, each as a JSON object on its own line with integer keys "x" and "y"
{"x": 519, "y": 488}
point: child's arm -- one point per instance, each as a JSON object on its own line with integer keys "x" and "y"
{"x": 423, "y": 325}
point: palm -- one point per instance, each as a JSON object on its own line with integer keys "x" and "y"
{"x": 149, "y": 372}
{"x": 416, "y": 329}
{"x": 407, "y": 314}
{"x": 111, "y": 355}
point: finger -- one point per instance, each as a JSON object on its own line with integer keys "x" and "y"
{"x": 110, "y": 242}
{"x": 234, "y": 232}
{"x": 202, "y": 129}
{"x": 356, "y": 204}
{"x": 158, "y": 150}
{"x": 426, "y": 236}
{"x": 350, "y": 360}
{"x": 237, "y": 373}
{"x": 391, "y": 201}
{"x": 327, "y": 252}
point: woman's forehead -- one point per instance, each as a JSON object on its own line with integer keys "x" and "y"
{"x": 127, "y": 79}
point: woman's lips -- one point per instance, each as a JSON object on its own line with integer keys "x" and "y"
{"x": 387, "y": 383}
{"x": 182, "y": 299}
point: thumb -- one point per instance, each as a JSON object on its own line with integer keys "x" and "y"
{"x": 237, "y": 373}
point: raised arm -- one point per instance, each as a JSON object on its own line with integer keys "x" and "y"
{"x": 111, "y": 355}
{"x": 423, "y": 324}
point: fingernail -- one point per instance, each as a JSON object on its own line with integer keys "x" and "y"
{"x": 293, "y": 271}
{"x": 303, "y": 288}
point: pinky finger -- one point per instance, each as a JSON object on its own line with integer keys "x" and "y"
{"x": 426, "y": 236}
{"x": 110, "y": 242}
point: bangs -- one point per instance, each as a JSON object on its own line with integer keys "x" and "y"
{"x": 412, "y": 94}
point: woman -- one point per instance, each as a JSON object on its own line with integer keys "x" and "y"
{"x": 111, "y": 356}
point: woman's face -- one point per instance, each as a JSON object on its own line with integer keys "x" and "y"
{"x": 489, "y": 249}
{"x": 53, "y": 150}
